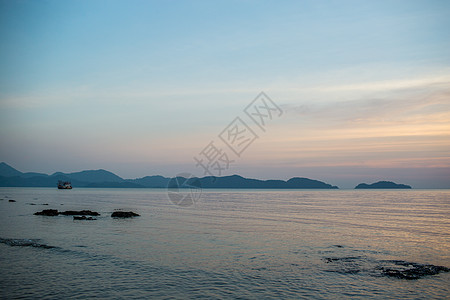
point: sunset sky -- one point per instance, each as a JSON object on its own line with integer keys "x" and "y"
{"x": 141, "y": 87}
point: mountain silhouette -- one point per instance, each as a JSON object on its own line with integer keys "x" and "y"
{"x": 105, "y": 179}
{"x": 236, "y": 181}
{"x": 8, "y": 171}
{"x": 156, "y": 181}
{"x": 92, "y": 176}
{"x": 382, "y": 185}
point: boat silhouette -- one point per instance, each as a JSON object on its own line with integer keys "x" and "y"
{"x": 64, "y": 185}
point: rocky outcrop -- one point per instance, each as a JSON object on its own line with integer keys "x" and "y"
{"x": 24, "y": 243}
{"x": 408, "y": 270}
{"x": 124, "y": 214}
{"x": 390, "y": 268}
{"x": 55, "y": 212}
{"x": 81, "y": 214}
{"x": 47, "y": 212}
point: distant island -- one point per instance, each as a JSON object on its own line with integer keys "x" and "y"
{"x": 382, "y": 185}
{"x": 10, "y": 177}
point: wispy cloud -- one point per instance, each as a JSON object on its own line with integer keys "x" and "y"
{"x": 386, "y": 85}
{"x": 404, "y": 128}
{"x": 419, "y": 103}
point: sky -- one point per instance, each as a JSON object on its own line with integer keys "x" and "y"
{"x": 142, "y": 87}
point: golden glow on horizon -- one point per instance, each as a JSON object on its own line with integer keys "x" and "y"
{"x": 404, "y": 129}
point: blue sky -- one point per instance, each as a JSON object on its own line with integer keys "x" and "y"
{"x": 140, "y": 87}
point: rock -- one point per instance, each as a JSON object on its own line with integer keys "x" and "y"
{"x": 11, "y": 200}
{"x": 124, "y": 214}
{"x": 412, "y": 270}
{"x": 390, "y": 268}
{"x": 79, "y": 213}
{"x": 54, "y": 212}
{"x": 24, "y": 243}
{"x": 83, "y": 218}
{"x": 47, "y": 212}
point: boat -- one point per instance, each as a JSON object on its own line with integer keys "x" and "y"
{"x": 64, "y": 185}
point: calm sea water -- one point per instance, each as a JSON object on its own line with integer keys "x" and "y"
{"x": 231, "y": 244}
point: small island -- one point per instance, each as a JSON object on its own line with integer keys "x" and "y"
{"x": 382, "y": 185}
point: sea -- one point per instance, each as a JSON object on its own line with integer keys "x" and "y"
{"x": 230, "y": 244}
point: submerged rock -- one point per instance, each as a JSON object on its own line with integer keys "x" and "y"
{"x": 124, "y": 214}
{"x": 55, "y": 212}
{"x": 47, "y": 212}
{"x": 83, "y": 218}
{"x": 390, "y": 268}
{"x": 24, "y": 243}
{"x": 410, "y": 271}
{"x": 79, "y": 213}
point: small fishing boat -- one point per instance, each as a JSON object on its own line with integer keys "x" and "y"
{"x": 64, "y": 185}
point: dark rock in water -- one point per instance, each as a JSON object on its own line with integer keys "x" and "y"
{"x": 124, "y": 214}
{"x": 410, "y": 271}
{"x": 83, "y": 218}
{"x": 11, "y": 200}
{"x": 389, "y": 268}
{"x": 79, "y": 213}
{"x": 54, "y": 212}
{"x": 47, "y": 212}
{"x": 24, "y": 243}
